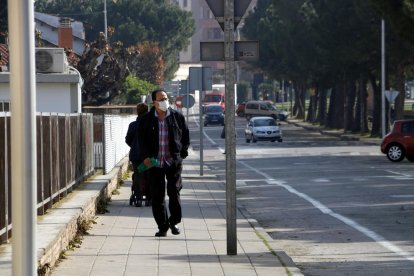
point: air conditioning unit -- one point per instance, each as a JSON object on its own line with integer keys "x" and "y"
{"x": 51, "y": 60}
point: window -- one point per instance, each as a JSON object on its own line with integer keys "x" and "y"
{"x": 4, "y": 106}
{"x": 408, "y": 127}
{"x": 252, "y": 106}
{"x": 185, "y": 3}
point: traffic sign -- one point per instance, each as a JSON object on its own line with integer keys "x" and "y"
{"x": 217, "y": 8}
{"x": 391, "y": 95}
{"x": 243, "y": 50}
{"x": 187, "y": 101}
{"x": 178, "y": 101}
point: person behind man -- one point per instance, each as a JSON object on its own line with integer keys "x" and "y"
{"x": 164, "y": 135}
{"x": 138, "y": 180}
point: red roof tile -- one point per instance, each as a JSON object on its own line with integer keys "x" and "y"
{"x": 4, "y": 54}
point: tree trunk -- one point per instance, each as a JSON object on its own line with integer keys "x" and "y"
{"x": 360, "y": 122}
{"x": 376, "y": 118}
{"x": 399, "y": 101}
{"x": 321, "y": 117}
{"x": 299, "y": 102}
{"x": 350, "y": 94}
{"x": 336, "y": 106}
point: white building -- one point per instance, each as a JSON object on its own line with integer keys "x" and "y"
{"x": 54, "y": 92}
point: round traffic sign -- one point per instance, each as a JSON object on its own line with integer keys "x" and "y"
{"x": 187, "y": 101}
{"x": 178, "y": 102}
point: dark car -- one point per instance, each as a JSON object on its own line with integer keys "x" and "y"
{"x": 213, "y": 115}
{"x": 399, "y": 143}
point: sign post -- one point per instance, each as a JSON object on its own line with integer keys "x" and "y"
{"x": 228, "y": 13}
{"x": 229, "y": 77}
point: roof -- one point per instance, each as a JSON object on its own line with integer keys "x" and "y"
{"x": 4, "y": 55}
{"x": 262, "y": 118}
{"x": 51, "y": 20}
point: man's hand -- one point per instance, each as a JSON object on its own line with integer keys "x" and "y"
{"x": 147, "y": 162}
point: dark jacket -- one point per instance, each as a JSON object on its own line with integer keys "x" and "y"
{"x": 178, "y": 135}
{"x": 131, "y": 139}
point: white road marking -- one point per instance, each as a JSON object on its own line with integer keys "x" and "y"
{"x": 398, "y": 173}
{"x": 321, "y": 180}
{"x": 324, "y": 209}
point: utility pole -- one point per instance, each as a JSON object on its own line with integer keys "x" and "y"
{"x": 383, "y": 129}
{"x": 105, "y": 22}
{"x": 229, "y": 76}
{"x": 228, "y": 14}
{"x": 23, "y": 136}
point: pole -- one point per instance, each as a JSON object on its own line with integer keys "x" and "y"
{"x": 105, "y": 22}
{"x": 23, "y": 136}
{"x": 382, "y": 78}
{"x": 200, "y": 114}
{"x": 229, "y": 69}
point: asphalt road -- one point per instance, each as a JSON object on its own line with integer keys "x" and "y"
{"x": 335, "y": 207}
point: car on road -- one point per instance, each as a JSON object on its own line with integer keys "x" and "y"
{"x": 399, "y": 143}
{"x": 264, "y": 108}
{"x": 213, "y": 115}
{"x": 263, "y": 128}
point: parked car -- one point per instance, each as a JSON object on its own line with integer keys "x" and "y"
{"x": 399, "y": 143}
{"x": 263, "y": 129}
{"x": 213, "y": 115}
{"x": 263, "y": 108}
{"x": 240, "y": 109}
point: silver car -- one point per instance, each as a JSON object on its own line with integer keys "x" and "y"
{"x": 263, "y": 129}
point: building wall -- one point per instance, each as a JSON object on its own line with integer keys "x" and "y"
{"x": 51, "y": 96}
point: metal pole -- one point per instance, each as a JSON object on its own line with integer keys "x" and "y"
{"x": 229, "y": 68}
{"x": 188, "y": 101}
{"x": 105, "y": 21}
{"x": 23, "y": 136}
{"x": 200, "y": 111}
{"x": 382, "y": 78}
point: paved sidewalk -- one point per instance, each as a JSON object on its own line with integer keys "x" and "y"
{"x": 122, "y": 241}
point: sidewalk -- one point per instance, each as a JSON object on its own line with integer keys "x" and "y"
{"x": 122, "y": 241}
{"x": 336, "y": 133}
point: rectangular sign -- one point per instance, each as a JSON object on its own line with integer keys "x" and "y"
{"x": 212, "y": 51}
{"x": 243, "y": 50}
{"x": 246, "y": 50}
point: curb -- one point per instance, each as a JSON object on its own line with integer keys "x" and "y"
{"x": 285, "y": 260}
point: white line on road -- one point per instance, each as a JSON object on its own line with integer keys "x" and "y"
{"x": 324, "y": 209}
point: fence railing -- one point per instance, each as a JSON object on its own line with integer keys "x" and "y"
{"x": 64, "y": 158}
{"x": 109, "y": 139}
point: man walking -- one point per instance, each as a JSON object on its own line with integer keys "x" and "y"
{"x": 164, "y": 135}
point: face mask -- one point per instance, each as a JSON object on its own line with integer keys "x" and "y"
{"x": 163, "y": 105}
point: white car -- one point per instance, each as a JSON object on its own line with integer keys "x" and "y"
{"x": 263, "y": 129}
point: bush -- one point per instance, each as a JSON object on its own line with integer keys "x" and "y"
{"x": 136, "y": 88}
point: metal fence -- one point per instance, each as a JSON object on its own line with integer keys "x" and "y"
{"x": 64, "y": 158}
{"x": 109, "y": 139}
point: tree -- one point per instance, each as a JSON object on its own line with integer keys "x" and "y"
{"x": 3, "y": 18}
{"x": 135, "y": 21}
{"x": 135, "y": 89}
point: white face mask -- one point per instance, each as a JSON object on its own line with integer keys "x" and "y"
{"x": 163, "y": 105}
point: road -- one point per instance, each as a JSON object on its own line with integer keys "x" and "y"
{"x": 335, "y": 207}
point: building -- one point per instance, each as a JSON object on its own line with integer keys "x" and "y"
{"x": 60, "y": 32}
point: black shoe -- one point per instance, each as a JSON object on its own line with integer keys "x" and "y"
{"x": 175, "y": 230}
{"x": 161, "y": 234}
